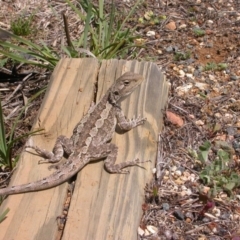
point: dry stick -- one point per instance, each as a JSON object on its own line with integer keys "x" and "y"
{"x": 18, "y": 87}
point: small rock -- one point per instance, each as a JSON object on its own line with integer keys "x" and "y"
{"x": 202, "y": 86}
{"x": 212, "y": 77}
{"x": 152, "y": 229}
{"x": 189, "y": 75}
{"x": 171, "y": 26}
{"x": 178, "y": 181}
{"x": 189, "y": 192}
{"x": 160, "y": 52}
{"x": 218, "y": 115}
{"x": 165, "y": 206}
{"x": 184, "y": 188}
{"x": 178, "y": 173}
{"x": 140, "y": 231}
{"x": 169, "y": 49}
{"x": 199, "y": 122}
{"x": 192, "y": 177}
{"x": 182, "y": 26}
{"x": 196, "y": 73}
{"x": 228, "y": 117}
{"x": 150, "y": 34}
{"x": 190, "y": 61}
{"x": 178, "y": 214}
{"x": 209, "y": 22}
{"x": 208, "y": 56}
{"x": 216, "y": 212}
{"x": 174, "y": 168}
{"x": 175, "y": 68}
{"x": 234, "y": 77}
{"x": 190, "y": 69}
{"x": 181, "y": 73}
{"x": 238, "y": 197}
{"x": 166, "y": 173}
{"x": 235, "y": 217}
{"x": 210, "y": 9}
{"x": 182, "y": 90}
{"x": 189, "y": 215}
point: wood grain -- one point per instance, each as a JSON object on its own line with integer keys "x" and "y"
{"x": 103, "y": 205}
{"x": 70, "y": 92}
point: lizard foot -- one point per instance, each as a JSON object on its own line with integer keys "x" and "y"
{"x": 138, "y": 121}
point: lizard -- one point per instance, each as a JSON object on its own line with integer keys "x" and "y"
{"x": 90, "y": 139}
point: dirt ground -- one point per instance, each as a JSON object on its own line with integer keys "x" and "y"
{"x": 195, "y": 191}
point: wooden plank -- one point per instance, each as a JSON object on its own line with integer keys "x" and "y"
{"x": 108, "y": 206}
{"x": 70, "y": 92}
{"x": 103, "y": 205}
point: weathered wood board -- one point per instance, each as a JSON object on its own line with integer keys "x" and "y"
{"x": 103, "y": 205}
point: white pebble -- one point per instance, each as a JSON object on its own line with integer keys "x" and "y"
{"x": 151, "y": 33}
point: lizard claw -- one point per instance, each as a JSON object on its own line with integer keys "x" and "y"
{"x": 138, "y": 121}
{"x": 124, "y": 171}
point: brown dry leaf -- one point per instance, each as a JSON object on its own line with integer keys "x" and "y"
{"x": 174, "y": 119}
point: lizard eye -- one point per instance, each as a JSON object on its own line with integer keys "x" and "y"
{"x": 116, "y": 93}
{"x": 126, "y": 83}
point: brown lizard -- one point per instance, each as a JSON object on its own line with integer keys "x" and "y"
{"x": 90, "y": 139}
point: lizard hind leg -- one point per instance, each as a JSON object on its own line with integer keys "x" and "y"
{"x": 110, "y": 165}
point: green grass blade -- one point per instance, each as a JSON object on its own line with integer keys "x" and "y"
{"x": 22, "y": 111}
{"x": 13, "y": 46}
{"x": 52, "y": 61}
{"x": 3, "y": 215}
{"x": 21, "y": 59}
{"x": 110, "y": 30}
{"x": 87, "y": 26}
{"x": 101, "y": 23}
{"x": 76, "y": 10}
{"x": 3, "y": 144}
{"x": 26, "y": 42}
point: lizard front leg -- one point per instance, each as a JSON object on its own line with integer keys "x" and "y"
{"x": 126, "y": 124}
{"x": 62, "y": 145}
{"x": 110, "y": 151}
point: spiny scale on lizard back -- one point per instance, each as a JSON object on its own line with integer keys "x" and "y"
{"x": 100, "y": 122}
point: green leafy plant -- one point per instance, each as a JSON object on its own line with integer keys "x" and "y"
{"x": 28, "y": 52}
{"x": 178, "y": 56}
{"x": 210, "y": 66}
{"x": 151, "y": 18}
{"x": 21, "y": 26}
{"x": 222, "y": 66}
{"x": 213, "y": 66}
{"x": 7, "y": 142}
{"x": 198, "y": 32}
{"x": 217, "y": 174}
{"x": 104, "y": 35}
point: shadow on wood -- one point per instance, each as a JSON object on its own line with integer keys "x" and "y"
{"x": 103, "y": 205}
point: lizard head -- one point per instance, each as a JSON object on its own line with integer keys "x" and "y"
{"x": 124, "y": 85}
